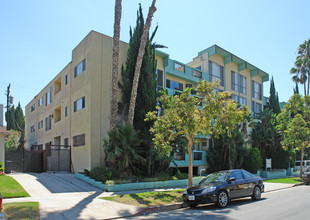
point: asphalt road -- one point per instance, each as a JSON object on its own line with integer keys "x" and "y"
{"x": 292, "y": 203}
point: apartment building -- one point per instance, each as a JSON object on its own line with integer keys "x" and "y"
{"x": 242, "y": 79}
{"x": 73, "y": 110}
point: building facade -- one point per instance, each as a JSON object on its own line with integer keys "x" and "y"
{"x": 74, "y": 108}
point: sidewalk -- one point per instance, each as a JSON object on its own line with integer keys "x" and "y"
{"x": 62, "y": 196}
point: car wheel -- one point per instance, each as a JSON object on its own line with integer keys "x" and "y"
{"x": 256, "y": 193}
{"x": 222, "y": 199}
{"x": 193, "y": 205}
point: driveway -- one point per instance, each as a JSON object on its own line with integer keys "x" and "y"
{"x": 62, "y": 196}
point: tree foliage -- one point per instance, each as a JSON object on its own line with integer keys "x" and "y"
{"x": 253, "y": 161}
{"x": 121, "y": 151}
{"x": 294, "y": 123}
{"x": 208, "y": 113}
{"x": 301, "y": 69}
{"x": 273, "y": 103}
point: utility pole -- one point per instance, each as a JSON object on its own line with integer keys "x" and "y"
{"x": 8, "y": 98}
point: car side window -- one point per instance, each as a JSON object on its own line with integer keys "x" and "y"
{"x": 237, "y": 174}
{"x": 246, "y": 174}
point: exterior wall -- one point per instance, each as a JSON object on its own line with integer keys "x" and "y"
{"x": 2, "y": 154}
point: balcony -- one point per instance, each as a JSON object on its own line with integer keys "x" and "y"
{"x": 199, "y": 159}
{"x": 178, "y": 69}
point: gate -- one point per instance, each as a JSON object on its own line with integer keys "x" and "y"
{"x": 23, "y": 161}
{"x": 58, "y": 158}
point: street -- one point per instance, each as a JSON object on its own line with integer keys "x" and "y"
{"x": 292, "y": 203}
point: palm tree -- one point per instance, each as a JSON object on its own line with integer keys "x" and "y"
{"x": 122, "y": 151}
{"x": 302, "y": 66}
{"x": 135, "y": 82}
{"x": 115, "y": 58}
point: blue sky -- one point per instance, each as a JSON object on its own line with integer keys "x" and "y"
{"x": 38, "y": 36}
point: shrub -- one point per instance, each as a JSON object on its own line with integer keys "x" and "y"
{"x": 103, "y": 174}
{"x": 252, "y": 161}
{"x": 1, "y": 167}
{"x": 86, "y": 172}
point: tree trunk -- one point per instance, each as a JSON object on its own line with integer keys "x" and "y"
{"x": 190, "y": 164}
{"x": 301, "y": 161}
{"x": 135, "y": 82}
{"x": 115, "y": 60}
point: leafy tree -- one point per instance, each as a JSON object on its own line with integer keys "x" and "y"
{"x": 12, "y": 141}
{"x": 265, "y": 135}
{"x": 143, "y": 43}
{"x": 301, "y": 69}
{"x": 273, "y": 103}
{"x": 115, "y": 58}
{"x": 226, "y": 152}
{"x": 121, "y": 150}
{"x": 146, "y": 94}
{"x": 294, "y": 124}
{"x": 253, "y": 161}
{"x": 10, "y": 119}
{"x": 185, "y": 115}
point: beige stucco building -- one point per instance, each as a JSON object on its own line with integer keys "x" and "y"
{"x": 74, "y": 108}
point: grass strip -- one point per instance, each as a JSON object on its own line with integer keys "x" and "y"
{"x": 22, "y": 210}
{"x": 10, "y": 188}
{"x": 148, "y": 198}
{"x": 291, "y": 180}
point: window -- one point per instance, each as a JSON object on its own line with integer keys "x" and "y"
{"x": 79, "y": 140}
{"x": 235, "y": 97}
{"x": 237, "y": 174}
{"x": 79, "y": 68}
{"x": 40, "y": 101}
{"x": 48, "y": 123}
{"x": 79, "y": 104}
{"x": 48, "y": 96}
{"x": 216, "y": 72}
{"x": 179, "y": 67}
{"x": 234, "y": 81}
{"x": 204, "y": 144}
{"x": 32, "y": 129}
{"x": 174, "y": 85}
{"x": 66, "y": 142}
{"x": 198, "y": 68}
{"x": 197, "y": 155}
{"x": 243, "y": 101}
{"x": 40, "y": 124}
{"x": 246, "y": 174}
{"x": 197, "y": 74}
{"x": 243, "y": 84}
{"x": 160, "y": 77}
{"x": 66, "y": 111}
{"x": 256, "y": 90}
{"x": 32, "y": 107}
{"x": 256, "y": 108}
{"x": 66, "y": 79}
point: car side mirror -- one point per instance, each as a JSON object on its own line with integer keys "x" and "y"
{"x": 231, "y": 179}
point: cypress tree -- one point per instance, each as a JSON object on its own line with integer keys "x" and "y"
{"x": 273, "y": 103}
{"x": 10, "y": 118}
{"x": 146, "y": 93}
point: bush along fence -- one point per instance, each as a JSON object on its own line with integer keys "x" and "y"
{"x": 139, "y": 185}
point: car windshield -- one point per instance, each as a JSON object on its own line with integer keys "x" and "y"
{"x": 215, "y": 177}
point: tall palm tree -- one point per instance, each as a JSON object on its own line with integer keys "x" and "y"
{"x": 135, "y": 82}
{"x": 302, "y": 66}
{"x": 115, "y": 58}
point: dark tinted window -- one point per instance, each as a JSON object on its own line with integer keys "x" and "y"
{"x": 237, "y": 174}
{"x": 246, "y": 174}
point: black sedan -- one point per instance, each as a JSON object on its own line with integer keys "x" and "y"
{"x": 222, "y": 186}
{"x": 306, "y": 176}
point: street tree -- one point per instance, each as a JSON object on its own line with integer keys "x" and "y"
{"x": 294, "y": 121}
{"x": 273, "y": 103}
{"x": 208, "y": 113}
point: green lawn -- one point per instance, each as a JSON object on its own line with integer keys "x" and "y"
{"x": 22, "y": 210}
{"x": 292, "y": 180}
{"x": 149, "y": 198}
{"x": 10, "y": 188}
